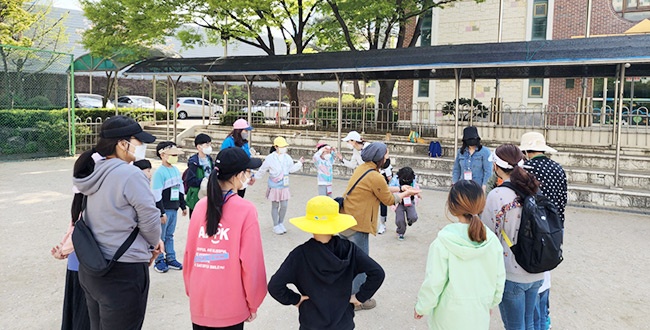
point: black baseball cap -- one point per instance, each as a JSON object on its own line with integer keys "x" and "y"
{"x": 235, "y": 160}
{"x": 124, "y": 127}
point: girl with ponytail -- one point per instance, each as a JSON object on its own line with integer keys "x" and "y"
{"x": 465, "y": 260}
{"x": 502, "y": 214}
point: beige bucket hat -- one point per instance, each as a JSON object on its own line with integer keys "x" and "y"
{"x": 534, "y": 141}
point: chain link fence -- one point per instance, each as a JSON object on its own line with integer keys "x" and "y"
{"x": 35, "y": 94}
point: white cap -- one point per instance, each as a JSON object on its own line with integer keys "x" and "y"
{"x": 353, "y": 136}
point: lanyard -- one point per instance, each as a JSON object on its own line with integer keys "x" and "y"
{"x": 227, "y": 195}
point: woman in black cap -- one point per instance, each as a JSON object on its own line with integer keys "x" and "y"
{"x": 119, "y": 199}
{"x": 472, "y": 161}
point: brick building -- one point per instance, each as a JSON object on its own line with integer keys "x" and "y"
{"x": 469, "y": 22}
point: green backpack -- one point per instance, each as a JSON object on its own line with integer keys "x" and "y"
{"x": 192, "y": 193}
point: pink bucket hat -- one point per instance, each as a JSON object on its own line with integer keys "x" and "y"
{"x": 242, "y": 124}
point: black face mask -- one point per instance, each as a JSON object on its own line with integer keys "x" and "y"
{"x": 386, "y": 164}
{"x": 472, "y": 142}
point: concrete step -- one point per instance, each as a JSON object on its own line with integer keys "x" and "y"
{"x": 627, "y": 200}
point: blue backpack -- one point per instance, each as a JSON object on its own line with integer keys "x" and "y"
{"x": 435, "y": 149}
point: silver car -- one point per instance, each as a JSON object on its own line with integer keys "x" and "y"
{"x": 92, "y": 101}
{"x": 194, "y": 106}
{"x": 139, "y": 102}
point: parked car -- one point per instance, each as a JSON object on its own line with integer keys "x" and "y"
{"x": 93, "y": 101}
{"x": 193, "y": 107}
{"x": 138, "y": 102}
{"x": 271, "y": 109}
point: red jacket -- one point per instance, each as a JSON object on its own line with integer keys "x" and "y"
{"x": 224, "y": 274}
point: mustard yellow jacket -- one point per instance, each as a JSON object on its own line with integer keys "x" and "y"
{"x": 363, "y": 202}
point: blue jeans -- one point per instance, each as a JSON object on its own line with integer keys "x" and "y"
{"x": 361, "y": 240}
{"x": 518, "y": 305}
{"x": 541, "y": 311}
{"x": 167, "y": 236}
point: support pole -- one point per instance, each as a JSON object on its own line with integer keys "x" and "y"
{"x": 73, "y": 116}
{"x": 90, "y": 79}
{"x": 154, "y": 100}
{"x": 203, "y": 100}
{"x": 168, "y": 108}
{"x": 278, "y": 114}
{"x": 363, "y": 111}
{"x": 249, "y": 86}
{"x": 471, "y": 108}
{"x": 457, "y": 93}
{"x": 339, "y": 107}
{"x": 617, "y": 84}
{"x": 617, "y": 165}
{"x": 115, "y": 84}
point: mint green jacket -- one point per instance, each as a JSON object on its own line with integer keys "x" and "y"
{"x": 463, "y": 280}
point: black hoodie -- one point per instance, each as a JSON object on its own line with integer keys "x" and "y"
{"x": 324, "y": 273}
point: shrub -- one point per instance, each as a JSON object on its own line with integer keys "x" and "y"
{"x": 229, "y": 117}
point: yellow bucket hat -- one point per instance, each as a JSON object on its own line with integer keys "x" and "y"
{"x": 280, "y": 142}
{"x": 323, "y": 217}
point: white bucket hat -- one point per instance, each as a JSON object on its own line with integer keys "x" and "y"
{"x": 533, "y": 141}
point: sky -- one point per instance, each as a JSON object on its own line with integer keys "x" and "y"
{"x": 69, "y": 4}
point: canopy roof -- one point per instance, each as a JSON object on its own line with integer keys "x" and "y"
{"x": 89, "y": 63}
{"x": 566, "y": 58}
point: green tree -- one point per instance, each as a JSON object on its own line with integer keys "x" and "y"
{"x": 257, "y": 23}
{"x": 27, "y": 25}
{"x": 14, "y": 21}
{"x": 364, "y": 25}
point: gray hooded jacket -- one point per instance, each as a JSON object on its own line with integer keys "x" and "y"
{"x": 119, "y": 199}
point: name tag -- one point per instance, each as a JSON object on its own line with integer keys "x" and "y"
{"x": 285, "y": 181}
{"x": 467, "y": 175}
{"x": 407, "y": 201}
{"x": 329, "y": 190}
{"x": 175, "y": 193}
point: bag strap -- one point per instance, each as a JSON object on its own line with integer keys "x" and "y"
{"x": 129, "y": 240}
{"x": 506, "y": 238}
{"x": 355, "y": 184}
{"x": 512, "y": 187}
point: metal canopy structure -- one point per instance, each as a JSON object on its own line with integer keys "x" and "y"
{"x": 566, "y": 58}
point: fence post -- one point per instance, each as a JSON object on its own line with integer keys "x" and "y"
{"x": 73, "y": 140}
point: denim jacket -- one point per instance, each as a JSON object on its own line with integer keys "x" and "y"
{"x": 478, "y": 163}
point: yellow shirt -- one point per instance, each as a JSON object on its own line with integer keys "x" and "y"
{"x": 363, "y": 202}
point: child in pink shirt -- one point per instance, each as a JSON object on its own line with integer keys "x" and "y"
{"x": 224, "y": 271}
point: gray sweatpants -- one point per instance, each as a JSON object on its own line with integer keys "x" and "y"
{"x": 411, "y": 217}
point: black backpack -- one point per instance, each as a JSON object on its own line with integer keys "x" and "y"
{"x": 539, "y": 241}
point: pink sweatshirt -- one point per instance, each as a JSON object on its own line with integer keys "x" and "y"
{"x": 225, "y": 276}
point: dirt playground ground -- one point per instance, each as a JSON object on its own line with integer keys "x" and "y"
{"x": 602, "y": 284}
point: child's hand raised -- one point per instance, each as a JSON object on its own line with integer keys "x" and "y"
{"x": 302, "y": 298}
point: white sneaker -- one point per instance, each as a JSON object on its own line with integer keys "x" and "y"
{"x": 381, "y": 229}
{"x": 284, "y": 230}
{"x": 278, "y": 230}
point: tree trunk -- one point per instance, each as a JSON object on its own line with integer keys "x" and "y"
{"x": 385, "y": 114}
{"x": 292, "y": 92}
{"x": 357, "y": 90}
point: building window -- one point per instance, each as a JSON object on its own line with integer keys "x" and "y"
{"x": 536, "y": 88}
{"x": 425, "y": 28}
{"x": 540, "y": 19}
{"x": 423, "y": 88}
{"x": 633, "y": 10}
{"x": 570, "y": 83}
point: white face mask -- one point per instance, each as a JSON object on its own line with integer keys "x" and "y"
{"x": 350, "y": 146}
{"x": 140, "y": 151}
{"x": 282, "y": 150}
{"x": 328, "y": 156}
{"x": 207, "y": 150}
{"x": 244, "y": 135}
{"x": 244, "y": 184}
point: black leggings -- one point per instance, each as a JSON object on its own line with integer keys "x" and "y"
{"x": 117, "y": 300}
{"x": 239, "y": 326}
